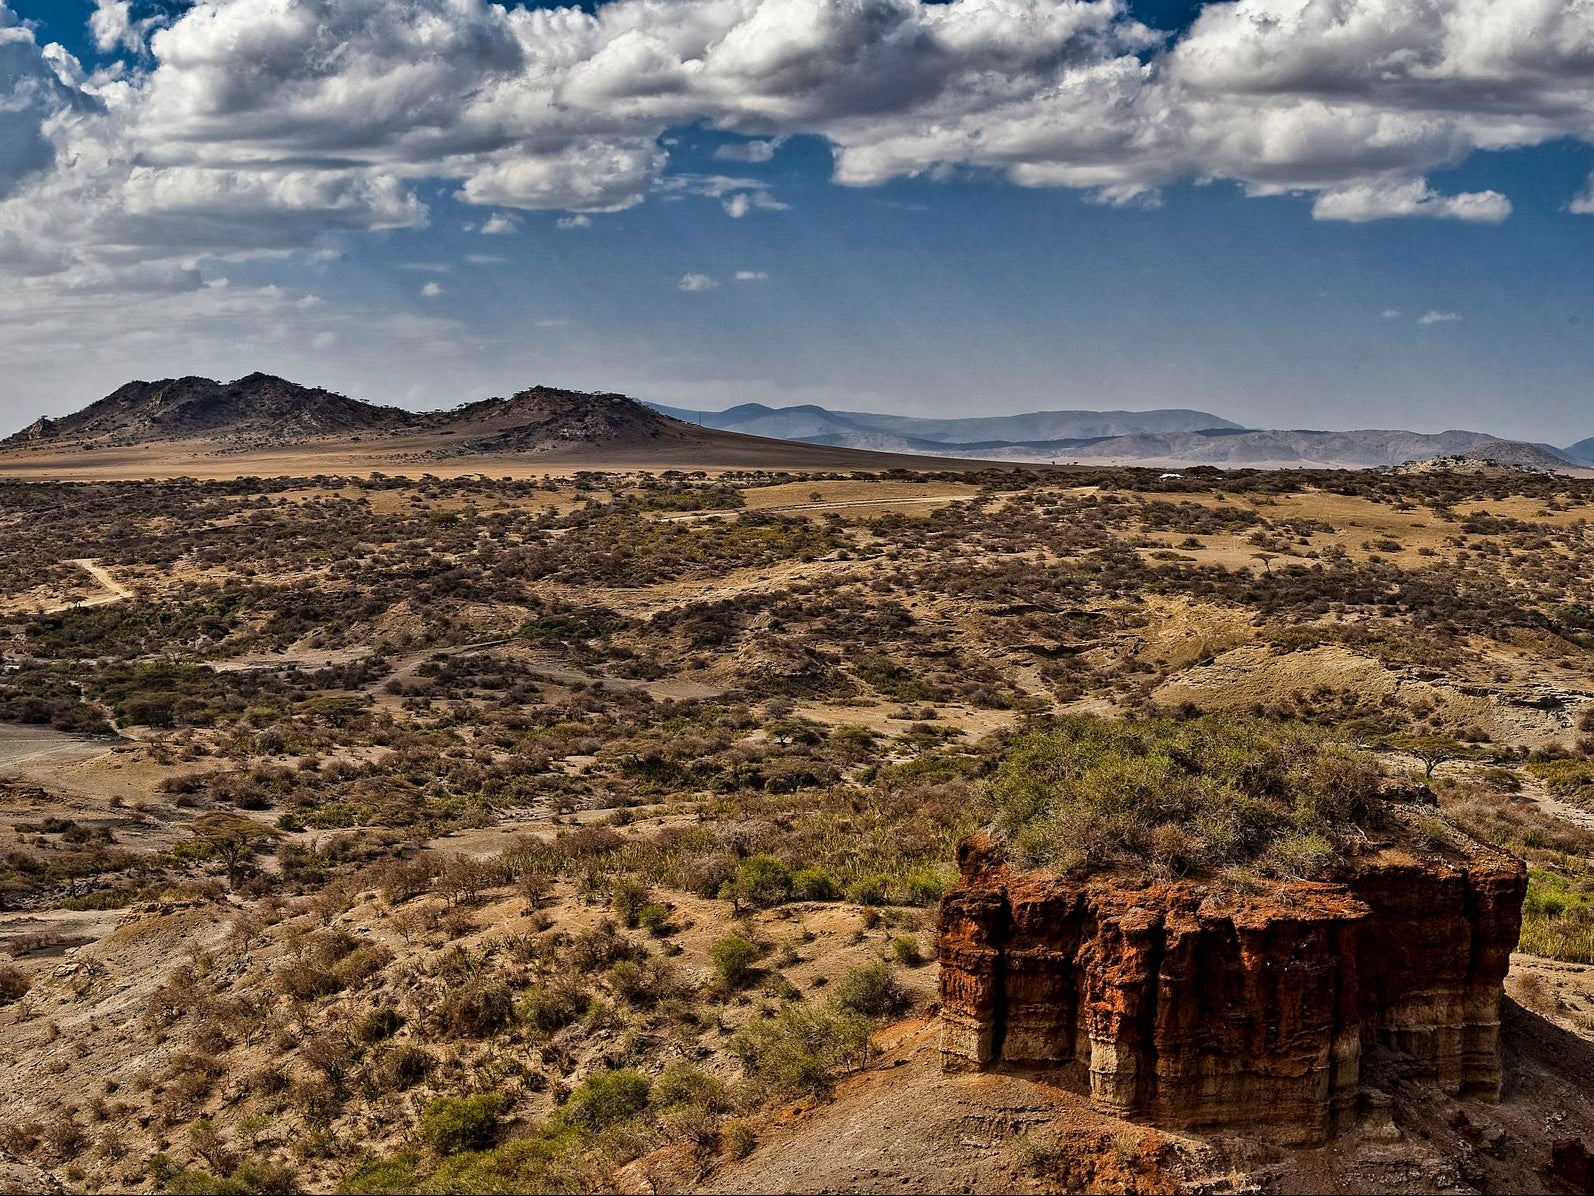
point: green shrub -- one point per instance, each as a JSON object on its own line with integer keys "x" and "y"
{"x": 379, "y": 1177}
{"x": 196, "y": 1181}
{"x": 871, "y": 990}
{"x": 800, "y": 1048}
{"x": 869, "y": 890}
{"x": 553, "y": 1007}
{"x": 763, "y": 880}
{"x": 733, "y": 957}
{"x": 644, "y": 983}
{"x": 683, "y": 1084}
{"x": 908, "y": 951}
{"x": 740, "y": 1140}
{"x": 814, "y": 884}
{"x": 655, "y": 919}
{"x": 628, "y": 897}
{"x": 450, "y": 1124}
{"x": 926, "y": 886}
{"x": 265, "y": 1179}
{"x": 548, "y": 1162}
{"x": 605, "y": 1098}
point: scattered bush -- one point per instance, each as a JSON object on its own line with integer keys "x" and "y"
{"x": 871, "y": 990}
{"x": 733, "y": 957}
{"x": 450, "y": 1124}
{"x": 800, "y": 1048}
{"x": 605, "y": 1098}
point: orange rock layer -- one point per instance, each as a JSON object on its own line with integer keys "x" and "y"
{"x": 1192, "y": 1009}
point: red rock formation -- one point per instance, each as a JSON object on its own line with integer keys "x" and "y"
{"x": 1195, "y": 1008}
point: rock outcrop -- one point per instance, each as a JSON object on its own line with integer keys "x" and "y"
{"x": 1195, "y": 1008}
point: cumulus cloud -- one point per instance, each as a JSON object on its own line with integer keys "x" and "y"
{"x": 1355, "y": 101}
{"x": 114, "y": 27}
{"x": 39, "y": 87}
{"x": 431, "y": 290}
{"x": 252, "y": 127}
{"x": 1410, "y": 197}
{"x": 499, "y": 224}
{"x": 571, "y": 223}
{"x": 697, "y": 283}
{"x": 752, "y": 275}
{"x": 1438, "y": 317}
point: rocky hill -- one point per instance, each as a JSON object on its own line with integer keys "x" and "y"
{"x": 544, "y": 417}
{"x": 259, "y": 406}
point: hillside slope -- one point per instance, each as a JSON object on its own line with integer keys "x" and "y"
{"x": 255, "y": 406}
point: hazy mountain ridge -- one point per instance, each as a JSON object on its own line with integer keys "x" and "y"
{"x": 822, "y": 425}
{"x": 1169, "y": 436}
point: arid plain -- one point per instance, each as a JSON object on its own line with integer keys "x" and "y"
{"x": 385, "y": 818}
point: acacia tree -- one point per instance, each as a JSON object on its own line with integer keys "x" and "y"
{"x": 232, "y": 839}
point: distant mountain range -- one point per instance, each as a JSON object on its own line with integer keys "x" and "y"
{"x": 261, "y": 412}
{"x": 1170, "y": 437}
{"x": 147, "y": 428}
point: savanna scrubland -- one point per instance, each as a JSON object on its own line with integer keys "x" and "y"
{"x": 374, "y": 833}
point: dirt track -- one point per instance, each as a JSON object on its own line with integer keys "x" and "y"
{"x": 115, "y": 591}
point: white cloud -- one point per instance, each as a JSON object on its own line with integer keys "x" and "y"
{"x": 323, "y": 340}
{"x": 251, "y": 128}
{"x": 740, "y": 203}
{"x": 431, "y": 290}
{"x": 570, "y": 223}
{"x": 248, "y": 126}
{"x": 748, "y": 151}
{"x": 114, "y": 28}
{"x": 738, "y": 195}
{"x": 1390, "y": 313}
{"x": 695, "y": 283}
{"x": 752, "y": 275}
{"x": 499, "y": 224}
{"x": 1408, "y": 197}
{"x": 1438, "y": 317}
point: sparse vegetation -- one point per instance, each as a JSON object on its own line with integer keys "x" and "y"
{"x": 497, "y": 833}
{"x": 1182, "y": 798}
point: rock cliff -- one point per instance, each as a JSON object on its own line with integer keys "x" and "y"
{"x": 1193, "y": 1007}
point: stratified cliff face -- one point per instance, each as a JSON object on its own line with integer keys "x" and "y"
{"x": 1193, "y": 1009}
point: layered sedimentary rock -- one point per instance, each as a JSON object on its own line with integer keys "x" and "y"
{"x": 1192, "y": 1007}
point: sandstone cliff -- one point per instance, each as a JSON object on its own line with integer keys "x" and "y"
{"x": 1191, "y": 1007}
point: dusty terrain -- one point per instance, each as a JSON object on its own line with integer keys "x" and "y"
{"x": 626, "y": 685}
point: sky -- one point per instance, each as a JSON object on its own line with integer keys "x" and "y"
{"x": 1290, "y": 213}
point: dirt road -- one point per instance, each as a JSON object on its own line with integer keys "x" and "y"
{"x": 115, "y": 591}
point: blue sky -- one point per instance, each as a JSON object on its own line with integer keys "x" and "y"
{"x": 1276, "y": 233}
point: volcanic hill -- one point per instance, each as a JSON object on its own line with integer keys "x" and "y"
{"x": 258, "y": 405}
